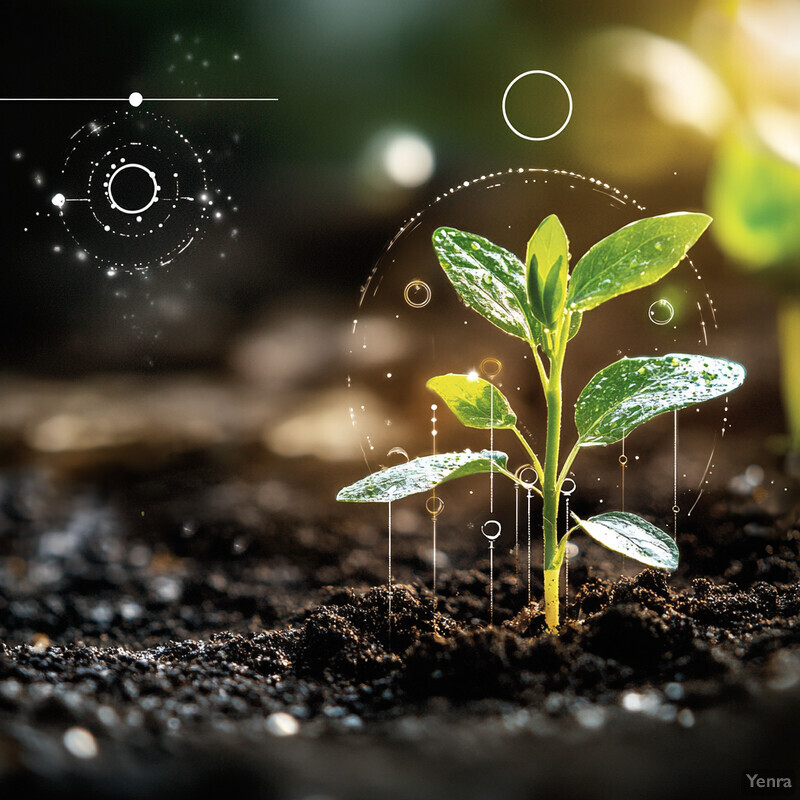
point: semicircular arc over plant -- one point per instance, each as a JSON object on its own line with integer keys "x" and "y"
{"x": 542, "y": 302}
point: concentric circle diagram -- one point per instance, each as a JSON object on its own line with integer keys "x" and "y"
{"x": 133, "y": 192}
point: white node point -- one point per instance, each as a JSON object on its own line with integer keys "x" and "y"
{"x": 58, "y": 200}
{"x": 135, "y": 99}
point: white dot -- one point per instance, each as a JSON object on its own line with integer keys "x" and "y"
{"x": 58, "y": 200}
{"x": 138, "y": 219}
{"x": 80, "y": 743}
{"x": 282, "y": 724}
{"x": 135, "y": 99}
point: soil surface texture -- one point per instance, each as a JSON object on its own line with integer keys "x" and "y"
{"x": 172, "y": 631}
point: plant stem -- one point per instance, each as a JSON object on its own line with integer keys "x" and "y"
{"x": 552, "y": 485}
{"x": 534, "y": 460}
{"x": 568, "y": 462}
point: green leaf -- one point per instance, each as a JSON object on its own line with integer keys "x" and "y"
{"x": 634, "y": 256}
{"x": 547, "y": 266}
{"x": 634, "y": 537}
{"x": 632, "y": 391}
{"x": 420, "y": 475}
{"x": 489, "y": 279}
{"x": 475, "y": 402}
{"x": 575, "y": 323}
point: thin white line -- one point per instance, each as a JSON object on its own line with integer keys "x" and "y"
{"x": 185, "y": 246}
{"x": 63, "y": 99}
{"x": 127, "y": 99}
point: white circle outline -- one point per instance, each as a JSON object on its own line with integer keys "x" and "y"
{"x": 116, "y": 205}
{"x": 508, "y": 89}
{"x": 670, "y": 311}
{"x": 491, "y": 537}
{"x": 417, "y": 284}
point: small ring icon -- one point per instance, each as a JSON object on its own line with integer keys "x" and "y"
{"x": 491, "y": 536}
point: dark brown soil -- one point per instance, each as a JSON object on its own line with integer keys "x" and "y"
{"x": 162, "y": 632}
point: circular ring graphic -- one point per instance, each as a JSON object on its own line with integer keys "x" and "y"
{"x": 434, "y": 506}
{"x": 491, "y": 367}
{"x": 116, "y": 204}
{"x": 133, "y": 191}
{"x": 505, "y": 113}
{"x": 661, "y": 312}
{"x": 491, "y": 536}
{"x": 415, "y": 287}
{"x": 569, "y": 491}
{"x": 521, "y": 471}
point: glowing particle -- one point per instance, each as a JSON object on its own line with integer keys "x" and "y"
{"x": 282, "y": 724}
{"x": 135, "y": 99}
{"x": 407, "y": 159}
{"x": 80, "y": 743}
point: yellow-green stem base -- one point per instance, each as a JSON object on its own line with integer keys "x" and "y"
{"x": 551, "y": 588}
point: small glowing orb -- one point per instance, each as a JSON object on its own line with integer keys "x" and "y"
{"x": 408, "y": 160}
{"x": 135, "y": 99}
{"x": 58, "y": 200}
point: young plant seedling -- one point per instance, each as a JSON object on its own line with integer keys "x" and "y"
{"x": 542, "y": 303}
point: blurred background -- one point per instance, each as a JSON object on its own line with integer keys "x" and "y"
{"x": 172, "y": 439}
{"x": 382, "y": 107}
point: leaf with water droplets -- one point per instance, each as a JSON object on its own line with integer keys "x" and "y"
{"x": 637, "y": 255}
{"x": 632, "y": 391}
{"x": 488, "y": 278}
{"x": 547, "y": 266}
{"x": 475, "y": 401}
{"x": 633, "y": 537}
{"x": 420, "y": 475}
